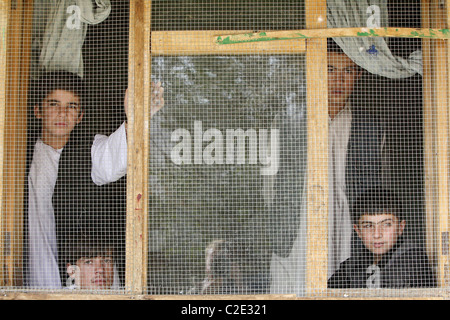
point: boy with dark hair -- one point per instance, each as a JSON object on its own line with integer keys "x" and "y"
{"x": 386, "y": 259}
{"x": 65, "y": 170}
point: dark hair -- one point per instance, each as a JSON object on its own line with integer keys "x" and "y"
{"x": 375, "y": 201}
{"x": 333, "y": 47}
{"x": 87, "y": 246}
{"x": 58, "y": 80}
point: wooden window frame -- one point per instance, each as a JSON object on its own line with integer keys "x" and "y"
{"x": 143, "y": 44}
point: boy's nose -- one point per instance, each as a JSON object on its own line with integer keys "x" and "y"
{"x": 99, "y": 268}
{"x": 377, "y": 232}
{"x": 61, "y": 110}
{"x": 341, "y": 76}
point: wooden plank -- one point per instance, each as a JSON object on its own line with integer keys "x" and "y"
{"x": 340, "y": 294}
{"x": 429, "y": 115}
{"x": 204, "y": 43}
{"x": 317, "y": 114}
{"x": 15, "y": 143}
{"x": 443, "y": 137}
{"x": 444, "y": 211}
{"x": 121, "y": 296}
{"x": 144, "y": 130}
{"x": 265, "y": 36}
{"x": 17, "y": 225}
{"x": 138, "y": 132}
{"x": 440, "y": 94}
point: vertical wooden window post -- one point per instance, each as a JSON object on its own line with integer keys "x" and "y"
{"x": 317, "y": 100}
{"x": 138, "y": 137}
{"x": 16, "y": 22}
{"x": 4, "y": 4}
{"x": 435, "y": 110}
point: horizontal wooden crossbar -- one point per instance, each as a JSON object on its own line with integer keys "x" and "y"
{"x": 203, "y": 43}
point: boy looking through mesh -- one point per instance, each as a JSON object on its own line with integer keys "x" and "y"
{"x": 90, "y": 265}
{"x": 356, "y": 161}
{"x": 66, "y": 169}
{"x": 387, "y": 259}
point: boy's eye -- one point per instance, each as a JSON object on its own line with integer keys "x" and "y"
{"x": 386, "y": 225}
{"x": 57, "y": 104}
{"x": 73, "y": 106}
{"x": 53, "y": 104}
{"x": 382, "y": 225}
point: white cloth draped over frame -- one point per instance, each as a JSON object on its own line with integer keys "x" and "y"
{"x": 371, "y": 53}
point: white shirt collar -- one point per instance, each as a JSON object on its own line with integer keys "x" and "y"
{"x": 345, "y": 111}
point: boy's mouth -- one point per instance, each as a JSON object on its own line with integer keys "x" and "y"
{"x": 99, "y": 281}
{"x": 378, "y": 244}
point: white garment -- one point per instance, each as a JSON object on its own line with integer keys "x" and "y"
{"x": 374, "y": 279}
{"x": 288, "y": 274}
{"x": 108, "y": 164}
{"x": 339, "y": 221}
{"x": 43, "y": 255}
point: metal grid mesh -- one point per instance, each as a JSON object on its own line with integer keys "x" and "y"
{"x": 69, "y": 88}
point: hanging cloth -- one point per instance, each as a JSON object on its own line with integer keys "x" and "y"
{"x": 371, "y": 53}
{"x": 65, "y": 32}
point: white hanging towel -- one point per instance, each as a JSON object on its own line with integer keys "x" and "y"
{"x": 65, "y": 33}
{"x": 371, "y": 53}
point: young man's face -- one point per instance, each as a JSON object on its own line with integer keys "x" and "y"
{"x": 60, "y": 113}
{"x": 379, "y": 233}
{"x": 96, "y": 273}
{"x": 342, "y": 76}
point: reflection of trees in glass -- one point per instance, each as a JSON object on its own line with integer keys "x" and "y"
{"x": 193, "y": 205}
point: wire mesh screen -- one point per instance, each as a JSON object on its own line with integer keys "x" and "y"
{"x": 295, "y": 147}
{"x": 218, "y": 225}
{"x": 67, "y": 71}
{"x": 213, "y": 154}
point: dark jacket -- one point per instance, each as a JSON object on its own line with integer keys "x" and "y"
{"x": 82, "y": 207}
{"x": 404, "y": 266}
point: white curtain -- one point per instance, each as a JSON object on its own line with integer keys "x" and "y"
{"x": 371, "y": 53}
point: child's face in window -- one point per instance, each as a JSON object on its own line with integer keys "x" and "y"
{"x": 342, "y": 76}
{"x": 379, "y": 233}
{"x": 60, "y": 113}
{"x": 96, "y": 273}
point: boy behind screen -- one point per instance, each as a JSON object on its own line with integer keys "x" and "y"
{"x": 387, "y": 259}
{"x": 65, "y": 169}
{"x": 91, "y": 265}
